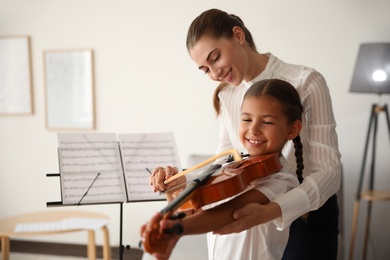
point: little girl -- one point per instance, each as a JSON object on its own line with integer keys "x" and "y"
{"x": 270, "y": 116}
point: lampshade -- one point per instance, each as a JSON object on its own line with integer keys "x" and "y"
{"x": 372, "y": 69}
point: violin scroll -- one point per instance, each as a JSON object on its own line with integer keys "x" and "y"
{"x": 155, "y": 240}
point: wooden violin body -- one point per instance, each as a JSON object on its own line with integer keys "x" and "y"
{"x": 231, "y": 181}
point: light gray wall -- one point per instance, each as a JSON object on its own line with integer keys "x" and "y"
{"x": 146, "y": 82}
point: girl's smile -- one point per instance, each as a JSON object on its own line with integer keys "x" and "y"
{"x": 263, "y": 128}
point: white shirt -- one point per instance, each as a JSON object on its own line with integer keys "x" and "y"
{"x": 262, "y": 241}
{"x": 322, "y": 170}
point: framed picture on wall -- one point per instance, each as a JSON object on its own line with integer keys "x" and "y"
{"x": 15, "y": 75}
{"x": 69, "y": 89}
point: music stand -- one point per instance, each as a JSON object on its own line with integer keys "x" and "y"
{"x": 109, "y": 168}
{"x": 371, "y": 75}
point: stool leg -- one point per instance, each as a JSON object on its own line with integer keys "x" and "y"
{"x": 354, "y": 227}
{"x": 106, "y": 244}
{"x": 91, "y": 245}
{"x": 366, "y": 233}
{"x": 5, "y": 246}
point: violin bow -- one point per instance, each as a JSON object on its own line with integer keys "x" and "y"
{"x": 189, "y": 189}
{"x": 237, "y": 157}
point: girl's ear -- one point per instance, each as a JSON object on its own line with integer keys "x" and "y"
{"x": 295, "y": 129}
{"x": 239, "y": 34}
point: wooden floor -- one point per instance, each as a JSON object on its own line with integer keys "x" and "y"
{"x": 26, "y": 256}
{"x": 33, "y": 250}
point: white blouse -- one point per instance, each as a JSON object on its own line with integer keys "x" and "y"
{"x": 322, "y": 171}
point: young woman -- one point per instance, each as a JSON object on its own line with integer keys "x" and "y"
{"x": 270, "y": 116}
{"x": 223, "y": 48}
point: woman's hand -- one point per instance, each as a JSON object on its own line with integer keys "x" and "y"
{"x": 251, "y": 215}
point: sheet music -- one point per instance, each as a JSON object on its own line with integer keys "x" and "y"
{"x": 107, "y": 168}
{"x": 82, "y": 156}
{"x": 146, "y": 151}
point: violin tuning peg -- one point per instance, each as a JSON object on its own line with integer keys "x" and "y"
{"x": 177, "y": 229}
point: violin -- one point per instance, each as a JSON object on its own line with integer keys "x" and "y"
{"x": 209, "y": 188}
{"x": 233, "y": 180}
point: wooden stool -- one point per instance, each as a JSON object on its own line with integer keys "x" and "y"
{"x": 369, "y": 196}
{"x": 7, "y": 229}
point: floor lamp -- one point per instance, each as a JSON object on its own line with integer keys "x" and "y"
{"x": 371, "y": 75}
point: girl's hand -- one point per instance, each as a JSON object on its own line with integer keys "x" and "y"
{"x": 159, "y": 175}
